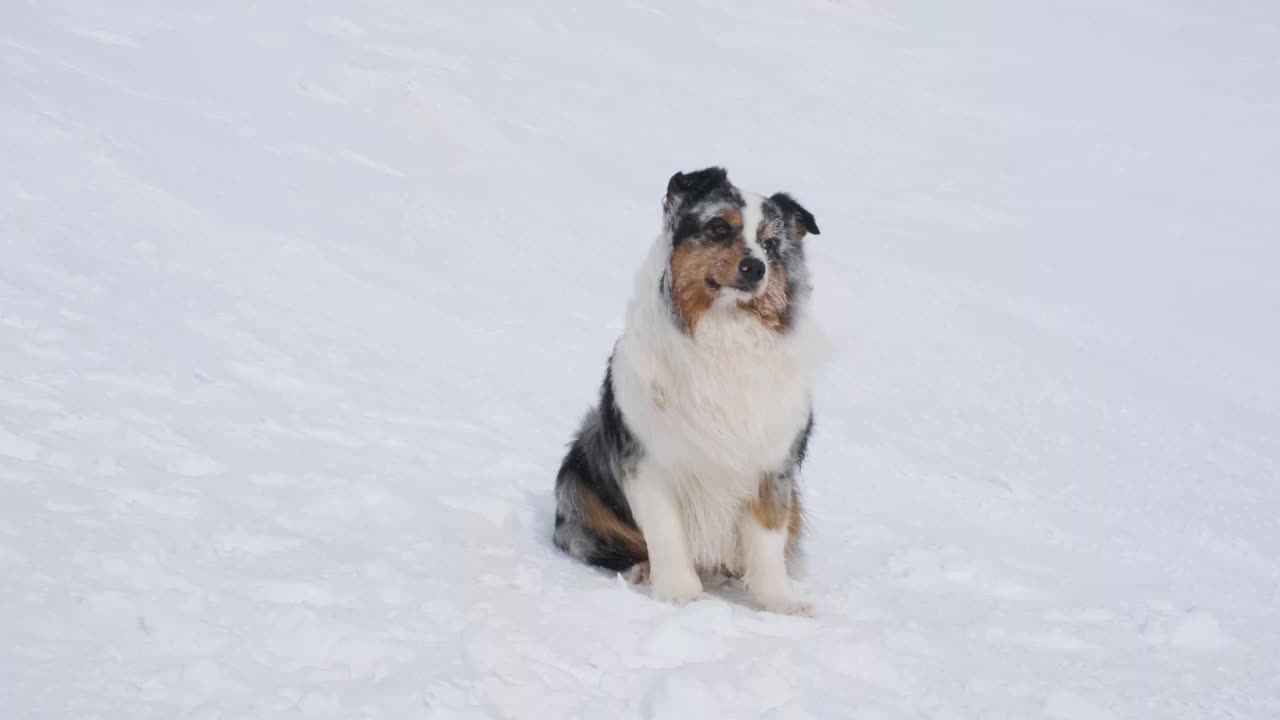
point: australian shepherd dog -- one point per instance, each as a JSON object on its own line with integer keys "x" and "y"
{"x": 687, "y": 468}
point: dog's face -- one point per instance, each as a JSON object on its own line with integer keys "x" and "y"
{"x": 733, "y": 247}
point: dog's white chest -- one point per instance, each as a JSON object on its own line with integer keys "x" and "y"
{"x": 715, "y": 415}
{"x": 729, "y": 403}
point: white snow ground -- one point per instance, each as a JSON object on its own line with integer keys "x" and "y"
{"x": 299, "y": 302}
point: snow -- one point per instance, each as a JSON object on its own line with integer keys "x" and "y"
{"x": 299, "y": 303}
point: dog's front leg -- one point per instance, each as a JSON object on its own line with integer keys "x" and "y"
{"x": 657, "y": 512}
{"x": 764, "y": 530}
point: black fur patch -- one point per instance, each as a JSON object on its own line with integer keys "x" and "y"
{"x": 689, "y": 193}
{"x": 800, "y": 447}
{"x": 689, "y": 225}
{"x": 796, "y": 212}
{"x": 603, "y": 444}
{"x": 692, "y": 187}
{"x": 610, "y": 557}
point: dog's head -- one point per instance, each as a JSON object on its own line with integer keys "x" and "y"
{"x": 733, "y": 247}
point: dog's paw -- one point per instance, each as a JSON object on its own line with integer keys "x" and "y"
{"x": 788, "y": 606}
{"x": 637, "y": 574}
{"x": 716, "y": 580}
{"x": 678, "y": 597}
{"x": 678, "y": 590}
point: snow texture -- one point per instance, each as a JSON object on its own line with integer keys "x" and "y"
{"x": 300, "y": 301}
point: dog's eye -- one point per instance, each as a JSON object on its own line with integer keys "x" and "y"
{"x": 771, "y": 244}
{"x": 718, "y": 228}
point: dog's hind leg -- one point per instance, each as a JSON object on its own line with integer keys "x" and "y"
{"x": 587, "y": 526}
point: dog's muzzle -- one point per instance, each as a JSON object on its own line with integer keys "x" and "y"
{"x": 750, "y": 271}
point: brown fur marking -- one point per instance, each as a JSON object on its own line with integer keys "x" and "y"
{"x": 775, "y": 507}
{"x": 772, "y": 505}
{"x": 691, "y": 264}
{"x": 795, "y": 525}
{"x": 771, "y": 306}
{"x": 604, "y": 522}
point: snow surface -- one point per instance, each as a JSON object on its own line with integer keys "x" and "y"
{"x": 299, "y": 302}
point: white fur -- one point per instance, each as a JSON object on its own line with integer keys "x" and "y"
{"x": 764, "y": 556}
{"x": 714, "y": 414}
{"x": 752, "y": 215}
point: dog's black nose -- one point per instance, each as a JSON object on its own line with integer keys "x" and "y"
{"x": 750, "y": 270}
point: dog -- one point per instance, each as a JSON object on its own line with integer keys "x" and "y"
{"x": 688, "y": 465}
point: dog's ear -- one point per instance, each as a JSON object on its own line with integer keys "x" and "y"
{"x": 803, "y": 218}
{"x": 682, "y": 186}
